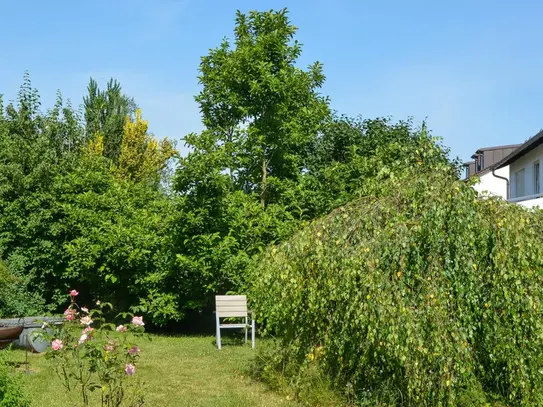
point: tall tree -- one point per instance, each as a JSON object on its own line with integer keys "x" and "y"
{"x": 142, "y": 156}
{"x": 261, "y": 113}
{"x": 105, "y": 114}
{"x": 258, "y": 105}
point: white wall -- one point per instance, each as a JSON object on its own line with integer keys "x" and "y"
{"x": 532, "y": 203}
{"x": 527, "y": 162}
{"x": 490, "y": 185}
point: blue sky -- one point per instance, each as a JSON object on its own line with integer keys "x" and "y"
{"x": 472, "y": 69}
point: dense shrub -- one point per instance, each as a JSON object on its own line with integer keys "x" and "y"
{"x": 420, "y": 295}
{"x": 11, "y": 391}
{"x": 15, "y": 300}
{"x": 69, "y": 214}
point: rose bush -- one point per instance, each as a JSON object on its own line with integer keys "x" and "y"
{"x": 91, "y": 355}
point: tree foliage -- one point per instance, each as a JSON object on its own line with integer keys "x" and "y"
{"x": 66, "y": 216}
{"x": 142, "y": 157}
{"x": 261, "y": 114}
{"x": 349, "y": 153}
{"x": 82, "y": 195}
{"x": 105, "y": 115}
{"x": 257, "y": 105}
{"x": 418, "y": 294}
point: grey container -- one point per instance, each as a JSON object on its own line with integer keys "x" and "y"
{"x": 32, "y": 326}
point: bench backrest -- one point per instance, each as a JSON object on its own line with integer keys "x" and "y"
{"x": 231, "y": 305}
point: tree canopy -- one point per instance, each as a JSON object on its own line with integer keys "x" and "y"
{"x": 88, "y": 197}
{"x": 105, "y": 115}
{"x": 260, "y": 110}
{"x": 418, "y": 294}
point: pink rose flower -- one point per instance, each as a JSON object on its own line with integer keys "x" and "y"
{"x": 57, "y": 344}
{"x": 130, "y": 369}
{"x": 110, "y": 346}
{"x": 85, "y": 309}
{"x": 134, "y": 350}
{"x": 74, "y": 293}
{"x": 70, "y": 314}
{"x": 83, "y": 338}
{"x": 138, "y": 321}
{"x": 86, "y": 321}
{"x": 121, "y": 328}
{"x": 88, "y": 330}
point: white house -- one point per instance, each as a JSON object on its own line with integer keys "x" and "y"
{"x": 525, "y": 172}
{"x": 491, "y": 181}
{"x": 493, "y": 184}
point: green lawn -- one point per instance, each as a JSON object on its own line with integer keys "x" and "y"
{"x": 178, "y": 371}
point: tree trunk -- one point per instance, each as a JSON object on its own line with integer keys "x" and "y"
{"x": 229, "y": 136}
{"x": 263, "y": 184}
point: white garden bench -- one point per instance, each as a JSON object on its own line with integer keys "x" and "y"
{"x": 233, "y": 306}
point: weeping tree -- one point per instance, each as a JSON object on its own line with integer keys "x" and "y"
{"x": 417, "y": 294}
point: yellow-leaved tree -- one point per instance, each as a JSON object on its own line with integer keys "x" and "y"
{"x": 142, "y": 156}
{"x": 95, "y": 147}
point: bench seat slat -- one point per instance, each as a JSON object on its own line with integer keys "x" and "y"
{"x": 240, "y": 300}
{"x": 231, "y": 298}
{"x": 233, "y": 325}
{"x": 233, "y": 308}
{"x": 226, "y": 314}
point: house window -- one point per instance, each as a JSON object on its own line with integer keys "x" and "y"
{"x": 519, "y": 183}
{"x": 536, "y": 177}
{"x": 479, "y": 163}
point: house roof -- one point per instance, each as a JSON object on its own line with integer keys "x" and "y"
{"x": 497, "y": 147}
{"x": 483, "y": 149}
{"x": 525, "y": 148}
{"x": 492, "y": 166}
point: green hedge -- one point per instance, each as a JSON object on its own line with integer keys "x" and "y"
{"x": 423, "y": 295}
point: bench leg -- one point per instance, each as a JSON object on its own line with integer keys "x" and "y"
{"x": 246, "y": 329}
{"x": 253, "y": 334}
{"x": 218, "y": 334}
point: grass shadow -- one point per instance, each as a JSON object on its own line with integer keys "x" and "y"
{"x": 232, "y": 337}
